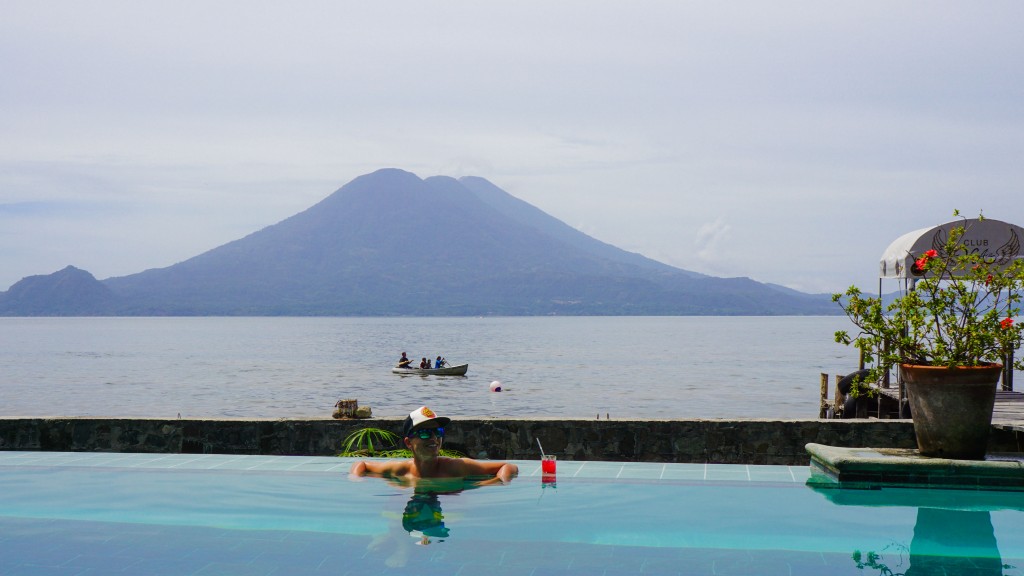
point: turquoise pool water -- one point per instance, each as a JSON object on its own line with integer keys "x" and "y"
{"x": 85, "y": 514}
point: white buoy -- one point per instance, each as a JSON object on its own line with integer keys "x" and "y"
{"x": 496, "y": 386}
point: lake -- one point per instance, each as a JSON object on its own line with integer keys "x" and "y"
{"x": 625, "y": 367}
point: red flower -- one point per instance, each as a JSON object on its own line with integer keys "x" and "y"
{"x": 922, "y": 262}
{"x": 1006, "y": 323}
{"x": 989, "y": 281}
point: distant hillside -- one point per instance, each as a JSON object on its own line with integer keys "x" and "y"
{"x": 390, "y": 243}
{"x": 67, "y": 292}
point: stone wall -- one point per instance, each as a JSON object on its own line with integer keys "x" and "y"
{"x": 710, "y": 441}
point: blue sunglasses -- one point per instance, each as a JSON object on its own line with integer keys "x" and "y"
{"x": 427, "y": 433}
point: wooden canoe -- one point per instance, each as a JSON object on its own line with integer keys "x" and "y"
{"x": 459, "y": 370}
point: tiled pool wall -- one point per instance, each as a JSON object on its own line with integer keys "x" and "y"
{"x": 592, "y": 470}
{"x": 759, "y": 442}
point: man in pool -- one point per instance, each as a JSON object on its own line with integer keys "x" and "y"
{"x": 423, "y": 434}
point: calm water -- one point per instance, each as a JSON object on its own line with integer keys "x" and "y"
{"x": 63, "y": 513}
{"x": 664, "y": 367}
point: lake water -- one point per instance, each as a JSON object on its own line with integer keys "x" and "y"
{"x": 625, "y": 367}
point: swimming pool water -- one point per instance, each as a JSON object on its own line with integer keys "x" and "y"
{"x": 84, "y": 514}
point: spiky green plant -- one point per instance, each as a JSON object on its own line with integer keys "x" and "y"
{"x": 368, "y": 442}
{"x": 371, "y": 442}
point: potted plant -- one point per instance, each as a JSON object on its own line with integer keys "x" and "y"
{"x": 949, "y": 331}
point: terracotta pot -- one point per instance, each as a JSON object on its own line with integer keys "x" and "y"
{"x": 952, "y": 408}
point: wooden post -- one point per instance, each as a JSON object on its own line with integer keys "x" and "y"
{"x": 823, "y": 404}
{"x": 885, "y": 377}
{"x": 1008, "y": 372}
{"x": 838, "y": 400}
{"x": 902, "y": 394}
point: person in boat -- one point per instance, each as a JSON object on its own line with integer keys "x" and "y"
{"x": 424, "y": 364}
{"x": 423, "y": 433}
{"x": 404, "y": 361}
{"x": 439, "y": 362}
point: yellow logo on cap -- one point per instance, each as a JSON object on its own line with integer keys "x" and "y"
{"x": 426, "y": 412}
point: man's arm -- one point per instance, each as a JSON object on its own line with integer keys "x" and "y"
{"x": 502, "y": 471}
{"x": 387, "y": 468}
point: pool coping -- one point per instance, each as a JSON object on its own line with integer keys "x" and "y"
{"x": 900, "y": 467}
{"x": 567, "y": 470}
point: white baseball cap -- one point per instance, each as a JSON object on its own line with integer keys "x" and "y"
{"x": 421, "y": 416}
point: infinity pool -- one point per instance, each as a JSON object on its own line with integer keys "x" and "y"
{"x": 91, "y": 513}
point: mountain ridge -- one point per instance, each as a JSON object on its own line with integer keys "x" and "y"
{"x": 389, "y": 243}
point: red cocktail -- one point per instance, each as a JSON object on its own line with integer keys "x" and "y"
{"x": 547, "y": 464}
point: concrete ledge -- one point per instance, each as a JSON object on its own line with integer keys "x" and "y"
{"x": 871, "y": 468}
{"x": 702, "y": 441}
{"x": 1006, "y": 437}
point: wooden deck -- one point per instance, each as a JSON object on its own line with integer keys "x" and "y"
{"x": 1009, "y": 409}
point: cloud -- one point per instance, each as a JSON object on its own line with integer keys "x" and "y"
{"x": 710, "y": 241}
{"x": 822, "y": 130}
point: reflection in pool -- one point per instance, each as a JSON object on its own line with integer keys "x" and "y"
{"x": 187, "y": 514}
{"x": 953, "y": 532}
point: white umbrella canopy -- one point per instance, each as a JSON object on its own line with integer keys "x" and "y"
{"x": 994, "y": 239}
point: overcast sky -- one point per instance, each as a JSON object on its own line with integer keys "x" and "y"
{"x": 790, "y": 142}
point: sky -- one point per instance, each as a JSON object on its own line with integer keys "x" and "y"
{"x": 788, "y": 142}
